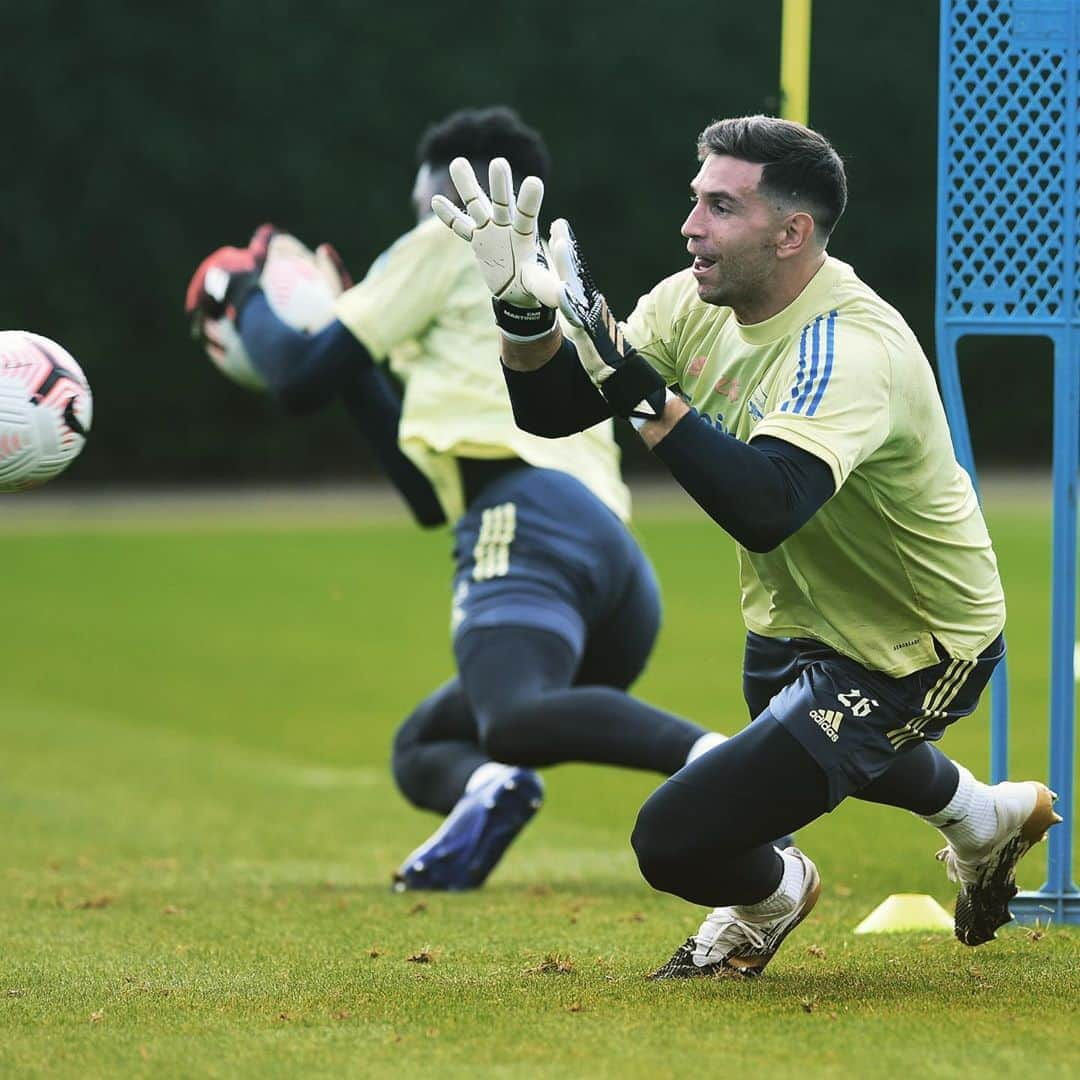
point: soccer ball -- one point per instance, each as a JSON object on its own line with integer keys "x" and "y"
{"x": 45, "y": 409}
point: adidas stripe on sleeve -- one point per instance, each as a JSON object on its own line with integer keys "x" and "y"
{"x": 832, "y": 394}
{"x": 815, "y": 366}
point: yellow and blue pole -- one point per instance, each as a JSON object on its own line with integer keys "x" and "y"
{"x": 795, "y": 61}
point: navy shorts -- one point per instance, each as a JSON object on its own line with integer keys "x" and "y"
{"x": 852, "y": 721}
{"x": 537, "y": 549}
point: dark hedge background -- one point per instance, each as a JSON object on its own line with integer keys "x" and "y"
{"x": 139, "y": 137}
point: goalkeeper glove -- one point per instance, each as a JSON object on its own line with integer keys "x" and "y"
{"x": 633, "y": 388}
{"x": 503, "y": 235}
{"x": 300, "y": 286}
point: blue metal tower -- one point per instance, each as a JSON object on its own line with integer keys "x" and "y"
{"x": 1008, "y": 264}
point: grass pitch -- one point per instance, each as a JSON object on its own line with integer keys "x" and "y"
{"x": 199, "y": 828}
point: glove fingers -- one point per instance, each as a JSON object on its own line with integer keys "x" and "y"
{"x": 542, "y": 283}
{"x": 193, "y": 293}
{"x": 578, "y": 292}
{"x": 259, "y": 244}
{"x": 501, "y": 186}
{"x": 333, "y": 267}
{"x": 225, "y": 348}
{"x": 529, "y": 200}
{"x": 211, "y": 340}
{"x": 560, "y": 230}
{"x": 560, "y": 254}
{"x": 284, "y": 246}
{"x": 452, "y": 217}
{"x": 472, "y": 194}
{"x": 571, "y": 301}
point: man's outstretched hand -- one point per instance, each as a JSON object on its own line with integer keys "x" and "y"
{"x": 502, "y": 231}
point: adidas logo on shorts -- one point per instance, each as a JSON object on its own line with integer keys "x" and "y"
{"x": 828, "y": 720}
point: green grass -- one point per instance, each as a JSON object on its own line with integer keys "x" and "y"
{"x": 199, "y": 827}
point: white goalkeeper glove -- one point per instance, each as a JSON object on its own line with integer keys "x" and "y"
{"x": 300, "y": 286}
{"x": 502, "y": 232}
{"x": 632, "y": 387}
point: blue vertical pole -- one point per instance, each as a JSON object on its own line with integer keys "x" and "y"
{"x": 1066, "y": 462}
{"x": 1063, "y": 678}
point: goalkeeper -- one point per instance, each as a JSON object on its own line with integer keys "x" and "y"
{"x": 808, "y": 427}
{"x": 555, "y": 608}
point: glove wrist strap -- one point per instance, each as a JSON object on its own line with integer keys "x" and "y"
{"x": 523, "y": 324}
{"x": 635, "y": 389}
{"x": 638, "y": 419}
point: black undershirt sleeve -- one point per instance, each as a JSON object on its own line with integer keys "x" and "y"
{"x": 760, "y": 492}
{"x": 558, "y": 399}
{"x": 305, "y": 372}
{"x": 372, "y": 402}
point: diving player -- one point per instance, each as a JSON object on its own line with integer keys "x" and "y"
{"x": 555, "y": 607}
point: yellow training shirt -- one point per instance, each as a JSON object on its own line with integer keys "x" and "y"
{"x": 424, "y": 308}
{"x": 900, "y": 554}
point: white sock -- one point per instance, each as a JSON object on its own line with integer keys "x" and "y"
{"x": 783, "y": 901}
{"x": 704, "y": 744}
{"x": 969, "y": 820}
{"x": 485, "y": 773}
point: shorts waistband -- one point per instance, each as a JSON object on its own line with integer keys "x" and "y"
{"x": 477, "y": 473}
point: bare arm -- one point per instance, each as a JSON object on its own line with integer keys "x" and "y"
{"x": 532, "y": 354}
{"x": 655, "y": 431}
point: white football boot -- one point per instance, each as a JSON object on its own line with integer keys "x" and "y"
{"x": 987, "y": 876}
{"x": 728, "y": 943}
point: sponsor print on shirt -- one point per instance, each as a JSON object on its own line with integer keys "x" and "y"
{"x": 716, "y": 421}
{"x": 757, "y": 403}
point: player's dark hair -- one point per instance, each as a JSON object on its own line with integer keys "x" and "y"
{"x": 801, "y": 166}
{"x": 483, "y": 134}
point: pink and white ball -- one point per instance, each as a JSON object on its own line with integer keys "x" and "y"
{"x": 45, "y": 410}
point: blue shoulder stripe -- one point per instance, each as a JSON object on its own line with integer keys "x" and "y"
{"x": 815, "y": 357}
{"x": 830, "y": 337}
{"x": 799, "y": 371}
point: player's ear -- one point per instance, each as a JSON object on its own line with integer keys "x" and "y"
{"x": 798, "y": 232}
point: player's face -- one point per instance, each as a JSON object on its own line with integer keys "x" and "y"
{"x": 732, "y": 232}
{"x": 428, "y": 182}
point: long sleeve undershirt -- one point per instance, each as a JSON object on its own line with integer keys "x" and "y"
{"x": 557, "y": 399}
{"x": 305, "y": 372}
{"x": 761, "y": 492}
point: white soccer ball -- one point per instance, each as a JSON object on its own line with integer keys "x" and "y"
{"x": 45, "y": 409}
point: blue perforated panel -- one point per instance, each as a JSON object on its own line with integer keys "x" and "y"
{"x": 1008, "y": 263}
{"x": 1009, "y": 167}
